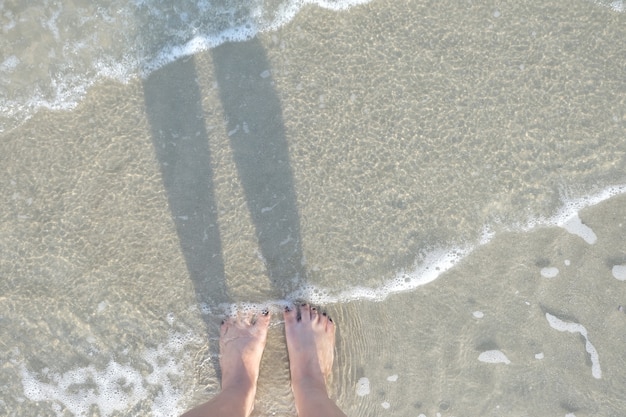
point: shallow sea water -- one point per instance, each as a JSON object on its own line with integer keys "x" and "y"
{"x": 446, "y": 179}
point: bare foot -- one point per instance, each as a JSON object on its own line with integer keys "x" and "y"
{"x": 310, "y": 342}
{"x": 242, "y": 341}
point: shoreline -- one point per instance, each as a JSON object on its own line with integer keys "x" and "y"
{"x": 330, "y": 155}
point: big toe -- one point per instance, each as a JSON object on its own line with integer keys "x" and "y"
{"x": 305, "y": 313}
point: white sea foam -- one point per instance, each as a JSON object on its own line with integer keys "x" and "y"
{"x": 564, "y": 326}
{"x": 435, "y": 263}
{"x": 614, "y": 5}
{"x": 116, "y": 388}
{"x": 117, "y": 39}
{"x": 363, "y": 387}
{"x": 549, "y": 272}
{"x": 493, "y": 356}
{"x": 576, "y": 227}
{"x": 567, "y": 216}
{"x": 619, "y": 272}
{"x": 75, "y": 47}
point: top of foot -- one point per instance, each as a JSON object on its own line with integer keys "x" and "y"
{"x": 242, "y": 341}
{"x": 310, "y": 342}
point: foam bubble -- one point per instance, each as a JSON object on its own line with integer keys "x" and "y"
{"x": 493, "y": 356}
{"x": 363, "y": 387}
{"x": 576, "y": 227}
{"x": 571, "y": 327}
{"x": 618, "y": 6}
{"x": 385, "y": 405}
{"x": 619, "y": 272}
{"x": 392, "y": 378}
{"x": 10, "y": 63}
{"x": 549, "y": 272}
{"x": 539, "y": 356}
{"x": 614, "y": 5}
{"x": 478, "y": 314}
{"x": 486, "y": 235}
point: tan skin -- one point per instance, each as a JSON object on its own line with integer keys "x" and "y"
{"x": 310, "y": 342}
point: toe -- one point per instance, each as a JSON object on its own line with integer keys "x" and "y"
{"x": 224, "y": 326}
{"x": 290, "y": 315}
{"x": 315, "y": 314}
{"x": 263, "y": 319}
{"x": 305, "y": 313}
{"x": 328, "y": 322}
{"x": 330, "y": 325}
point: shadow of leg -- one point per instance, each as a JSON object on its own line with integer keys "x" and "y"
{"x": 257, "y": 137}
{"x": 181, "y": 143}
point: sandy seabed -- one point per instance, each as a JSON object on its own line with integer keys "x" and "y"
{"x": 335, "y": 152}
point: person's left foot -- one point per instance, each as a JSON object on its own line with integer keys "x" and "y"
{"x": 242, "y": 340}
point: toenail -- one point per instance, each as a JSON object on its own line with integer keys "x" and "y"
{"x": 303, "y": 304}
{"x": 223, "y": 321}
{"x": 324, "y": 313}
{"x": 329, "y": 319}
{"x": 265, "y": 312}
{"x": 287, "y": 309}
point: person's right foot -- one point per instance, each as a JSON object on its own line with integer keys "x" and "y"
{"x": 242, "y": 340}
{"x": 310, "y": 342}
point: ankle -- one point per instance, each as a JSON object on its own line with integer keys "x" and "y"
{"x": 311, "y": 398}
{"x": 241, "y": 396}
{"x": 241, "y": 384}
{"x": 308, "y": 385}
{"x": 306, "y": 369}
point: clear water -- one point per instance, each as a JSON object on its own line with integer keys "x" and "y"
{"x": 446, "y": 179}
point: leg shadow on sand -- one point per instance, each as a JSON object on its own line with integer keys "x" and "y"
{"x": 181, "y": 143}
{"x": 257, "y": 136}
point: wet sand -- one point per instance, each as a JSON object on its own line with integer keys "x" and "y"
{"x": 334, "y": 152}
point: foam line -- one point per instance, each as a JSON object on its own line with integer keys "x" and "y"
{"x": 566, "y": 216}
{"x": 145, "y": 36}
{"x": 564, "y": 326}
{"x": 432, "y": 265}
{"x": 243, "y": 32}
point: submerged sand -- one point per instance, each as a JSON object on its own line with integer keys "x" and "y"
{"x": 335, "y": 152}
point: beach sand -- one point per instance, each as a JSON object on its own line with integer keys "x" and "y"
{"x": 335, "y": 152}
